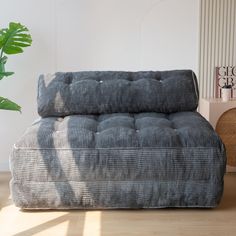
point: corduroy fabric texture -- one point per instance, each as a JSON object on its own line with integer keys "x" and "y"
{"x": 102, "y": 92}
{"x": 118, "y": 140}
{"x": 119, "y": 161}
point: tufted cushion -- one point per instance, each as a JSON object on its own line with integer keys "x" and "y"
{"x": 118, "y": 161}
{"x": 104, "y": 92}
{"x": 118, "y": 140}
{"x": 182, "y": 129}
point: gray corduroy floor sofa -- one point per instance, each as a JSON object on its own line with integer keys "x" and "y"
{"x": 118, "y": 140}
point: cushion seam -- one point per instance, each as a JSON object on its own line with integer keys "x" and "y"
{"x": 115, "y": 148}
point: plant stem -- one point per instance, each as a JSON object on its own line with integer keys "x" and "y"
{"x": 1, "y": 54}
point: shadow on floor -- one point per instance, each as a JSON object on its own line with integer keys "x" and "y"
{"x": 75, "y": 224}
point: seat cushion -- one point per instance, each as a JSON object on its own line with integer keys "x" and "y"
{"x": 105, "y": 161}
{"x": 121, "y": 130}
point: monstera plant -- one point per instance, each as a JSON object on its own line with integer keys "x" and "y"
{"x": 12, "y": 41}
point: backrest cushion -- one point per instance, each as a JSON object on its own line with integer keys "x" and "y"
{"x": 99, "y": 92}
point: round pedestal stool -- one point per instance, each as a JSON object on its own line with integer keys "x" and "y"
{"x": 226, "y": 128}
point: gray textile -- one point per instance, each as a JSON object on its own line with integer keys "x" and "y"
{"x": 118, "y": 160}
{"x": 96, "y": 92}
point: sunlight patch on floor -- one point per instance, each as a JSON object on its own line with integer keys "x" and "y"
{"x": 50, "y": 222}
{"x": 59, "y": 228}
{"x": 92, "y": 223}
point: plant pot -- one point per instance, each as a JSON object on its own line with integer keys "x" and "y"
{"x": 226, "y": 94}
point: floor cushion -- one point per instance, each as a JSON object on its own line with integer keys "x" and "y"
{"x": 118, "y": 160}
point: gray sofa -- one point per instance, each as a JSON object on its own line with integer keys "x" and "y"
{"x": 118, "y": 140}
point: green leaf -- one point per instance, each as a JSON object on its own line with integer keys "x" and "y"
{"x": 14, "y": 38}
{"x": 13, "y": 50}
{"x": 6, "y": 104}
{"x": 1, "y": 40}
{"x": 2, "y": 74}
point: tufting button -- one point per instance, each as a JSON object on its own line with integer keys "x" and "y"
{"x": 100, "y": 81}
{"x": 97, "y": 132}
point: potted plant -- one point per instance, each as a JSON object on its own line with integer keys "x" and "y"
{"x": 12, "y": 41}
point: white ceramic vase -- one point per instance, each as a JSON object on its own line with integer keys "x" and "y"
{"x": 225, "y": 94}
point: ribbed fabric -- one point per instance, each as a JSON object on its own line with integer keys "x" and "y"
{"x": 118, "y": 161}
{"x": 102, "y": 92}
{"x": 114, "y": 139}
{"x": 115, "y": 194}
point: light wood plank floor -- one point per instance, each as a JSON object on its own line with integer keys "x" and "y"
{"x": 200, "y": 222}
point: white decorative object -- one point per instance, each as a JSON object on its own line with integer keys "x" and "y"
{"x": 212, "y": 109}
{"x": 226, "y": 94}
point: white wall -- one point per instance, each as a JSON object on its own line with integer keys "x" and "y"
{"x": 71, "y": 35}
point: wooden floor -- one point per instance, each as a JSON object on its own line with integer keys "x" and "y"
{"x": 190, "y": 222}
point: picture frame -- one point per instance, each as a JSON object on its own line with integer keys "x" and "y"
{"x": 225, "y": 76}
